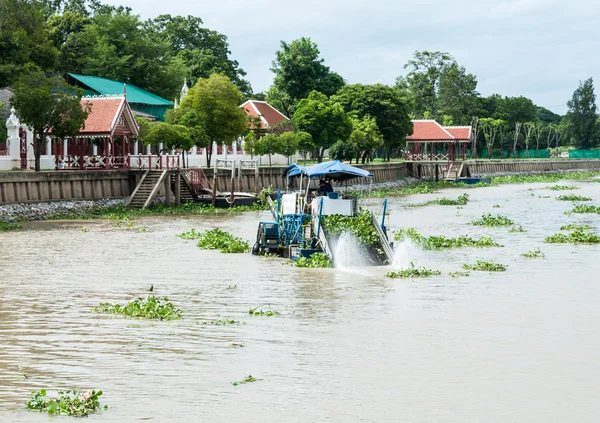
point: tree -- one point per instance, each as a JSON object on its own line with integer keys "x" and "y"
{"x": 516, "y": 133}
{"x": 547, "y": 116}
{"x": 529, "y": 128}
{"x": 516, "y": 109}
{"x": 324, "y": 120}
{"x": 475, "y": 131}
{"x": 299, "y": 70}
{"x": 344, "y": 150}
{"x": 250, "y": 143}
{"x": 305, "y": 143}
{"x": 288, "y": 144}
{"x": 212, "y": 108}
{"x": 267, "y": 145}
{"x": 582, "y": 115}
{"x": 383, "y": 103}
{"x": 490, "y": 128}
{"x": 365, "y": 137}
{"x": 423, "y": 80}
{"x": 24, "y": 42}
{"x": 172, "y": 137}
{"x": 65, "y": 32}
{"x": 538, "y": 131}
{"x": 458, "y": 94}
{"x": 203, "y": 51}
{"x": 49, "y": 106}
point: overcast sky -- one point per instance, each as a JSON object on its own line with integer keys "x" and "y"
{"x": 536, "y": 48}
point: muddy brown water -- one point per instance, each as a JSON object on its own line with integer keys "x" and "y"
{"x": 349, "y": 346}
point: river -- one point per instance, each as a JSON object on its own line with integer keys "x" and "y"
{"x": 349, "y": 345}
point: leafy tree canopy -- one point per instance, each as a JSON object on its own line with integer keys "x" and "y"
{"x": 582, "y": 116}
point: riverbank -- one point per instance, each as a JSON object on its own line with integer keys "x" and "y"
{"x": 116, "y": 209}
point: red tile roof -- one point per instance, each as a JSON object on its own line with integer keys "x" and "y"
{"x": 105, "y": 113}
{"x": 269, "y": 116}
{"x": 461, "y": 133}
{"x": 429, "y": 130}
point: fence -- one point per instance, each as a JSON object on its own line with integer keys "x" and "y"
{"x": 521, "y": 154}
{"x": 584, "y": 154}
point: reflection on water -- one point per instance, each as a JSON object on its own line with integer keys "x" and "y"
{"x": 349, "y": 346}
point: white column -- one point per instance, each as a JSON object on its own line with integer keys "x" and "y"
{"x": 194, "y": 150}
{"x": 48, "y": 146}
{"x": 94, "y": 150}
{"x": 12, "y": 130}
{"x": 66, "y": 147}
{"x": 30, "y": 154}
{"x": 160, "y": 146}
{"x": 148, "y": 149}
{"x": 136, "y": 150}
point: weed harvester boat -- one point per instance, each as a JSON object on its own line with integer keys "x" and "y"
{"x": 298, "y": 230}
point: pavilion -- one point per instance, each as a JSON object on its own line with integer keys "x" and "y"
{"x": 434, "y": 142}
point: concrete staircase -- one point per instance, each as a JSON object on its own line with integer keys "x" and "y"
{"x": 186, "y": 191}
{"x": 453, "y": 171}
{"x": 147, "y": 188}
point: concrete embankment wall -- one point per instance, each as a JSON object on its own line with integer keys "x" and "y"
{"x": 23, "y": 187}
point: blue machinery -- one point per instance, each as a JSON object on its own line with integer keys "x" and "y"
{"x": 297, "y": 233}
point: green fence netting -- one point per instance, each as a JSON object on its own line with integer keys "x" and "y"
{"x": 584, "y": 154}
{"x": 506, "y": 154}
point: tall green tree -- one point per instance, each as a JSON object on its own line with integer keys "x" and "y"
{"x": 267, "y": 146}
{"x": 458, "y": 95}
{"x": 324, "y": 120}
{"x": 202, "y": 50}
{"x": 383, "y": 103}
{"x": 288, "y": 144}
{"x": 423, "y": 80}
{"x": 365, "y": 136}
{"x": 172, "y": 137}
{"x": 298, "y": 70}
{"x": 49, "y": 106}
{"x": 212, "y": 108}
{"x": 582, "y": 116}
{"x": 65, "y": 32}
{"x": 516, "y": 109}
{"x": 24, "y": 41}
{"x": 547, "y": 116}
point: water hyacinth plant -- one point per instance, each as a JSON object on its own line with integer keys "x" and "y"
{"x": 143, "y": 308}
{"x": 534, "y": 254}
{"x": 458, "y": 274}
{"x": 413, "y": 272}
{"x": 572, "y": 197}
{"x": 216, "y": 239}
{"x": 563, "y": 187}
{"x": 573, "y": 227}
{"x": 519, "y": 229}
{"x": 485, "y": 266}
{"x": 9, "y": 226}
{"x": 586, "y": 208}
{"x": 493, "y": 220}
{"x": 441, "y": 242}
{"x": 316, "y": 260}
{"x": 68, "y": 403}
{"x": 247, "y": 379}
{"x": 258, "y": 311}
{"x": 575, "y": 237}
{"x": 360, "y": 226}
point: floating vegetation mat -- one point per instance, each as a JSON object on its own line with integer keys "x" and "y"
{"x": 573, "y": 227}
{"x": 534, "y": 254}
{"x": 9, "y": 226}
{"x": 247, "y": 379}
{"x": 360, "y": 226}
{"x": 458, "y": 274}
{"x": 143, "y": 308}
{"x": 223, "y": 321}
{"x": 460, "y": 201}
{"x": 572, "y": 197}
{"x": 519, "y": 229}
{"x": 493, "y": 220}
{"x": 316, "y": 260}
{"x": 216, "y": 239}
{"x": 69, "y": 403}
{"x": 575, "y": 237}
{"x": 485, "y": 266}
{"x": 413, "y": 272}
{"x": 441, "y": 242}
{"x": 563, "y": 187}
{"x": 585, "y": 208}
{"x": 258, "y": 311}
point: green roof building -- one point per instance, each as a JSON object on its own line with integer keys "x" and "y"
{"x": 142, "y": 102}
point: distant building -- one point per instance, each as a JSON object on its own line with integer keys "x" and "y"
{"x": 142, "y": 103}
{"x": 432, "y": 141}
{"x": 269, "y": 115}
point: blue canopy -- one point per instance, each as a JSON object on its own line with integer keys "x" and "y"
{"x": 334, "y": 170}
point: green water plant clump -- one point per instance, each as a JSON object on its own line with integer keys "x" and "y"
{"x": 316, "y": 260}
{"x": 519, "y": 229}
{"x": 413, "y": 272}
{"x": 360, "y": 226}
{"x": 150, "y": 307}
{"x": 9, "y": 226}
{"x": 258, "y": 311}
{"x": 191, "y": 234}
{"x": 460, "y": 201}
{"x": 586, "y": 208}
{"x": 534, "y": 254}
{"x": 485, "y": 266}
{"x": 563, "y": 187}
{"x": 223, "y": 321}
{"x": 572, "y": 197}
{"x": 441, "y": 242}
{"x": 458, "y": 274}
{"x": 573, "y": 227}
{"x": 68, "y": 403}
{"x": 216, "y": 239}
{"x": 575, "y": 237}
{"x": 247, "y": 379}
{"x": 493, "y": 220}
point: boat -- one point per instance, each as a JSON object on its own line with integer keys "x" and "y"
{"x": 297, "y": 228}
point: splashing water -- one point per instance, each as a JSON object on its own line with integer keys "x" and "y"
{"x": 349, "y": 253}
{"x": 404, "y": 253}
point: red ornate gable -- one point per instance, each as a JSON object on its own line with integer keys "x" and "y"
{"x": 109, "y": 116}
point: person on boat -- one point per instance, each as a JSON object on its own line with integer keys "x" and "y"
{"x": 325, "y": 187}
